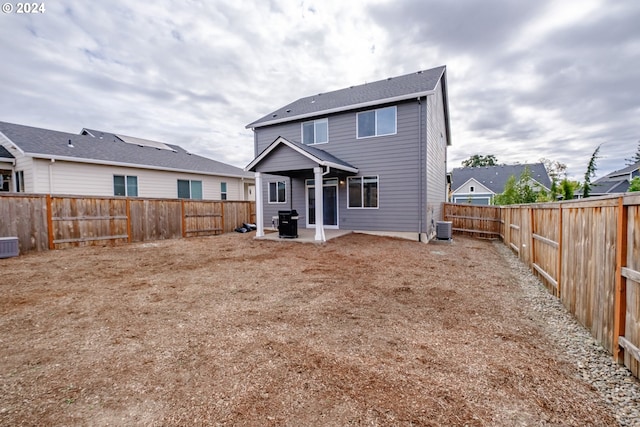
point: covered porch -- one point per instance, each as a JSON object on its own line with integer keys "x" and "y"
{"x": 306, "y": 167}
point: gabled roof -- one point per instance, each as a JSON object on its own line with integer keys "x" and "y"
{"x": 314, "y": 154}
{"x": 109, "y": 149}
{"x": 622, "y": 173}
{"x": 612, "y": 186}
{"x": 495, "y": 177}
{"x": 394, "y": 89}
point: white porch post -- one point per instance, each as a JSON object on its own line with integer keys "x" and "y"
{"x": 317, "y": 176}
{"x": 259, "y": 210}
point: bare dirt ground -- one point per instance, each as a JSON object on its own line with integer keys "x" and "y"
{"x": 228, "y": 330}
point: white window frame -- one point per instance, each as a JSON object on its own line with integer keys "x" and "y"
{"x": 275, "y": 200}
{"x": 315, "y": 131}
{"x": 376, "y": 133}
{"x": 223, "y": 190}
{"x": 191, "y": 182}
{"x": 377, "y": 177}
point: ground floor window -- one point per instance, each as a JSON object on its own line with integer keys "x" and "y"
{"x": 5, "y": 180}
{"x": 20, "y": 181}
{"x": 223, "y": 191}
{"x": 125, "y": 185}
{"x": 363, "y": 191}
{"x": 189, "y": 189}
{"x": 277, "y": 192}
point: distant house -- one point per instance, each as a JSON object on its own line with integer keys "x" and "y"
{"x": 615, "y": 182}
{"x": 96, "y": 163}
{"x": 367, "y": 158}
{"x": 478, "y": 185}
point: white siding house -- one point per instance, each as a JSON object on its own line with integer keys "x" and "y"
{"x": 96, "y": 163}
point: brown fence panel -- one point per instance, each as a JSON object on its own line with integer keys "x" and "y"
{"x": 25, "y": 217}
{"x": 237, "y": 213}
{"x": 631, "y": 277}
{"x": 545, "y": 243}
{"x": 473, "y": 220}
{"x": 202, "y": 218}
{"x": 155, "y": 219}
{"x": 83, "y": 221}
{"x": 589, "y": 265}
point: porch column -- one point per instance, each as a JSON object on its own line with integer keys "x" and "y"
{"x": 317, "y": 177}
{"x": 259, "y": 212}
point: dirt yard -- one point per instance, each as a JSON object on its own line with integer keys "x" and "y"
{"x": 228, "y": 330}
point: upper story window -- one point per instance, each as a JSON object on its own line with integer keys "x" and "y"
{"x": 377, "y": 122}
{"x": 189, "y": 189}
{"x": 315, "y": 132}
{"x": 125, "y": 185}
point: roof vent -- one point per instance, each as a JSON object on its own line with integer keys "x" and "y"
{"x": 69, "y": 144}
{"x": 275, "y": 115}
{"x": 419, "y": 72}
{"x": 388, "y": 78}
{"x": 288, "y": 111}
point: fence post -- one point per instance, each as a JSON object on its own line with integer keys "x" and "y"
{"x": 50, "y": 222}
{"x": 532, "y": 242}
{"x": 620, "y": 297}
{"x": 559, "y": 255}
{"x": 129, "y": 236}
{"x": 184, "y": 219}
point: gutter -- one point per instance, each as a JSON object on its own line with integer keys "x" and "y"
{"x": 340, "y": 109}
{"x": 129, "y": 165}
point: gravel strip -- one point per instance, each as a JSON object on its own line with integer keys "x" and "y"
{"x": 595, "y": 365}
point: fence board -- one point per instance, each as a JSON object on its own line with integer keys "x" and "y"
{"x": 632, "y": 267}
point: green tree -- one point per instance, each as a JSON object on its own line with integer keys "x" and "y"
{"x": 635, "y": 184}
{"x": 635, "y": 158}
{"x": 520, "y": 191}
{"x": 590, "y": 173}
{"x": 478, "y": 160}
{"x": 557, "y": 172}
{"x": 568, "y": 188}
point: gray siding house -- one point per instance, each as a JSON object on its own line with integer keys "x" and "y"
{"x": 478, "y": 185}
{"x": 615, "y": 182}
{"x": 368, "y": 158}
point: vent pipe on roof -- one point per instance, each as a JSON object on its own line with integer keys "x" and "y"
{"x": 69, "y": 144}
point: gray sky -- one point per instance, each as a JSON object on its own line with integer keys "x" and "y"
{"x": 527, "y": 79}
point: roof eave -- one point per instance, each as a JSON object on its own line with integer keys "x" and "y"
{"x": 129, "y": 165}
{"x": 256, "y": 124}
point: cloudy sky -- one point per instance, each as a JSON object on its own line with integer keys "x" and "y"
{"x": 527, "y": 79}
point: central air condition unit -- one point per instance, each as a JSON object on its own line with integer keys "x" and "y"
{"x": 443, "y": 230}
{"x": 9, "y": 247}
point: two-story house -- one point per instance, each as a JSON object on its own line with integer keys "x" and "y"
{"x": 369, "y": 158}
{"x": 615, "y": 182}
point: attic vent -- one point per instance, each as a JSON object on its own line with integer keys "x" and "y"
{"x": 69, "y": 144}
{"x": 443, "y": 230}
{"x": 419, "y": 72}
{"x": 388, "y": 78}
{"x": 288, "y": 111}
{"x": 275, "y": 115}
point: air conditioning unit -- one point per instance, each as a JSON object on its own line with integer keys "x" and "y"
{"x": 9, "y": 247}
{"x": 443, "y": 230}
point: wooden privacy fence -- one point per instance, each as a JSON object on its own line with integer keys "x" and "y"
{"x": 44, "y": 222}
{"x": 586, "y": 252}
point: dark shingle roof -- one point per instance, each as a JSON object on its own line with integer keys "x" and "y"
{"x": 609, "y": 186}
{"x": 5, "y": 154}
{"x": 391, "y": 90}
{"x": 495, "y": 177}
{"x": 108, "y": 148}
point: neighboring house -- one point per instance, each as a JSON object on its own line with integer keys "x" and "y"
{"x": 95, "y": 163}
{"x": 367, "y": 158}
{"x": 478, "y": 185}
{"x": 615, "y": 182}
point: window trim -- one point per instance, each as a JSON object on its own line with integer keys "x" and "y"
{"x": 362, "y": 177}
{"x": 376, "y": 134}
{"x": 315, "y": 122}
{"x": 223, "y": 190}
{"x": 276, "y": 202}
{"x": 190, "y": 181}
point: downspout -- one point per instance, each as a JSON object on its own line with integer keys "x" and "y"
{"x": 420, "y": 177}
{"x": 51, "y": 175}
